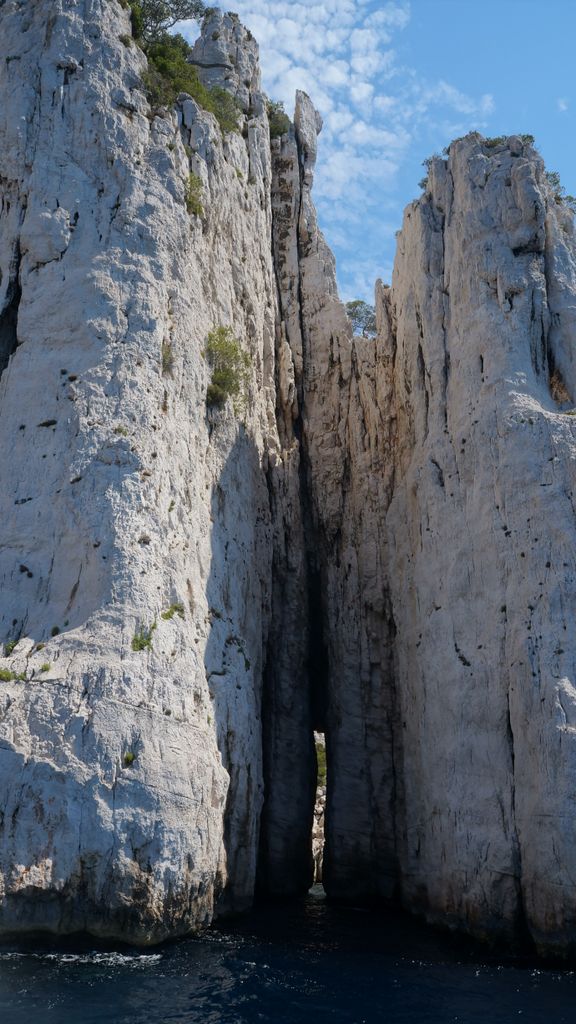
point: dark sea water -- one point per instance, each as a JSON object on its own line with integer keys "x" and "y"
{"x": 305, "y": 963}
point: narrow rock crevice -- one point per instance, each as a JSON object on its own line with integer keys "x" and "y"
{"x": 318, "y": 668}
{"x": 295, "y": 694}
{"x": 9, "y": 315}
{"x": 521, "y": 930}
{"x": 296, "y": 678}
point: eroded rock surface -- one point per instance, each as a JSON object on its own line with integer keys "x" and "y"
{"x": 379, "y": 546}
{"x": 437, "y": 464}
{"x": 480, "y": 531}
{"x": 123, "y": 497}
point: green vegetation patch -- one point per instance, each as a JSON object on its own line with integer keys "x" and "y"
{"x": 153, "y": 18}
{"x": 7, "y": 676}
{"x": 174, "y": 609}
{"x": 169, "y": 74}
{"x": 278, "y": 119}
{"x": 363, "y": 317}
{"x": 193, "y": 195}
{"x": 142, "y": 639}
{"x": 559, "y": 192}
{"x": 493, "y": 143}
{"x": 230, "y": 369}
{"x": 167, "y": 359}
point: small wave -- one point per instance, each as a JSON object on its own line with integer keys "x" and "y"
{"x": 93, "y": 958}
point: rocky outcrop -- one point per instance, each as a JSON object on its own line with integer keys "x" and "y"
{"x": 481, "y": 322}
{"x": 437, "y": 472}
{"x": 378, "y": 546}
{"x": 132, "y": 516}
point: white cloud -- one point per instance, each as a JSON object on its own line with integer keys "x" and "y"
{"x": 562, "y": 104}
{"x": 385, "y": 104}
{"x": 444, "y": 93}
{"x": 361, "y": 93}
{"x": 359, "y": 284}
{"x": 337, "y": 73}
{"x": 393, "y": 15}
{"x": 366, "y": 39}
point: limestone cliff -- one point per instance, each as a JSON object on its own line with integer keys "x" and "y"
{"x": 378, "y": 546}
{"x": 480, "y": 531}
{"x": 132, "y": 517}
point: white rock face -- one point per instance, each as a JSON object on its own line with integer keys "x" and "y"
{"x": 226, "y": 56}
{"x": 122, "y": 496}
{"x": 379, "y": 547}
{"x": 438, "y": 469}
{"x": 480, "y": 532}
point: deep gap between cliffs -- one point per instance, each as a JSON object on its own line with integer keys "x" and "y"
{"x": 318, "y": 678}
{"x": 9, "y": 320}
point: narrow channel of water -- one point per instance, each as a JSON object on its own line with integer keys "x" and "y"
{"x": 305, "y": 963}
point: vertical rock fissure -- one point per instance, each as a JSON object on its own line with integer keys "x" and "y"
{"x": 9, "y": 315}
{"x": 522, "y": 930}
{"x": 296, "y": 677}
{"x": 294, "y": 658}
{"x": 294, "y": 694}
{"x": 317, "y": 662}
{"x": 342, "y": 667}
{"x": 553, "y": 354}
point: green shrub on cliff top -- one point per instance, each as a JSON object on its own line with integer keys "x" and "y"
{"x": 278, "y": 119}
{"x": 362, "y": 317}
{"x": 559, "y": 192}
{"x": 152, "y": 19}
{"x": 169, "y": 74}
{"x": 169, "y": 71}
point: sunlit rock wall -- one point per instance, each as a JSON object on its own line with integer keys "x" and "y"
{"x": 481, "y": 534}
{"x": 128, "y": 510}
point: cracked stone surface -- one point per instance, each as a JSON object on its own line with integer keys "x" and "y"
{"x": 379, "y": 546}
{"x": 127, "y": 496}
{"x": 481, "y": 569}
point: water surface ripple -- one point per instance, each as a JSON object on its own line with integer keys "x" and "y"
{"x": 305, "y": 963}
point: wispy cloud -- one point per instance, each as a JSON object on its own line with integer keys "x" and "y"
{"x": 562, "y": 104}
{"x": 342, "y": 53}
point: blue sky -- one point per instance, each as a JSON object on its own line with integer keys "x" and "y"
{"x": 395, "y": 82}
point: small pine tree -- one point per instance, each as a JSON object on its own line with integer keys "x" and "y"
{"x": 151, "y": 19}
{"x": 363, "y": 317}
